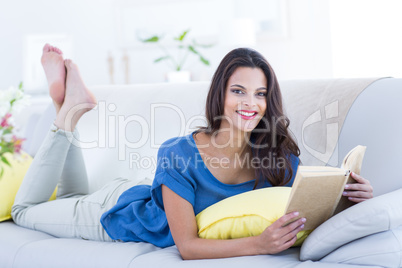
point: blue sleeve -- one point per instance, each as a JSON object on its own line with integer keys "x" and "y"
{"x": 173, "y": 172}
{"x": 295, "y": 161}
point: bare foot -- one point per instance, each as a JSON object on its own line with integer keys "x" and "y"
{"x": 77, "y": 101}
{"x": 53, "y": 64}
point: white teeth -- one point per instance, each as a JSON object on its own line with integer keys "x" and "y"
{"x": 246, "y": 114}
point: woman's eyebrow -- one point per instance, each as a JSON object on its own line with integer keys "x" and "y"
{"x": 237, "y": 85}
{"x": 240, "y": 86}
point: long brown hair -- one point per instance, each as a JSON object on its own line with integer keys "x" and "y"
{"x": 274, "y": 140}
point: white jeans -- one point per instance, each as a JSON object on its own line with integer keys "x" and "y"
{"x": 74, "y": 214}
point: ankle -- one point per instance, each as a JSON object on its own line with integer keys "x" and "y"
{"x": 61, "y": 124}
{"x": 65, "y": 121}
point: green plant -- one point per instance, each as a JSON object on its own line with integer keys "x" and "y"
{"x": 184, "y": 48}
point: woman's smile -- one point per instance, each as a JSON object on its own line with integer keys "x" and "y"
{"x": 245, "y": 114}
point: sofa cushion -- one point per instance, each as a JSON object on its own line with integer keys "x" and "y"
{"x": 382, "y": 249}
{"x": 170, "y": 258}
{"x": 376, "y": 215}
{"x": 11, "y": 180}
{"x": 13, "y": 238}
{"x": 67, "y": 253}
{"x": 246, "y": 214}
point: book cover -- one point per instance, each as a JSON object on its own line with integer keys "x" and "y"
{"x": 317, "y": 190}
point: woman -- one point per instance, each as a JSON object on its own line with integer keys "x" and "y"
{"x": 245, "y": 126}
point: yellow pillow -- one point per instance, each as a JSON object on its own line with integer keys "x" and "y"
{"x": 11, "y": 180}
{"x": 246, "y": 214}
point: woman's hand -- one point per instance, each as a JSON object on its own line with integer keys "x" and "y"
{"x": 360, "y": 191}
{"x": 277, "y": 238}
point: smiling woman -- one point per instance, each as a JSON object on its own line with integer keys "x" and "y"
{"x": 245, "y": 124}
{"x": 246, "y": 130}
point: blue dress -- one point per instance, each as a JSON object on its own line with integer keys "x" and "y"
{"x": 139, "y": 214}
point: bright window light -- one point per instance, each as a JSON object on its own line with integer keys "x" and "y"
{"x": 366, "y": 38}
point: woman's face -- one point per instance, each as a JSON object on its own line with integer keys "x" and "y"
{"x": 245, "y": 101}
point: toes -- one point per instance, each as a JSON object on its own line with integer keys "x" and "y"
{"x": 68, "y": 63}
{"x": 57, "y": 50}
{"x": 47, "y": 48}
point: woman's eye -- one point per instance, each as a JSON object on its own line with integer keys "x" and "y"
{"x": 237, "y": 91}
{"x": 262, "y": 94}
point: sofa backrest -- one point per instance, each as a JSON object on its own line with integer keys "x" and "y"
{"x": 121, "y": 137}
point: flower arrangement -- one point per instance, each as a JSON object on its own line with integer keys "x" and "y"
{"x": 185, "y": 48}
{"x": 12, "y": 101}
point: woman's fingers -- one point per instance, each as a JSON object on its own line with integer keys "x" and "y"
{"x": 358, "y": 194}
{"x": 358, "y": 187}
{"x": 289, "y": 232}
{"x": 293, "y": 229}
{"x": 289, "y": 243}
{"x": 357, "y": 200}
{"x": 359, "y": 178}
{"x": 284, "y": 219}
{"x": 360, "y": 191}
{"x": 361, "y": 182}
{"x": 294, "y": 225}
{"x": 282, "y": 234}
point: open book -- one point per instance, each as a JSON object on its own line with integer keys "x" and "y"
{"x": 317, "y": 190}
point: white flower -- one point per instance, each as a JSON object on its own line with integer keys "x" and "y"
{"x": 8, "y": 94}
{"x": 18, "y": 94}
{"x": 4, "y": 102}
{"x": 4, "y": 108}
{"x": 20, "y": 101}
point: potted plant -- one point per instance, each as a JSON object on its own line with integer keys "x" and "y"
{"x": 176, "y": 63}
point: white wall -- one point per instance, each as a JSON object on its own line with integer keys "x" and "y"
{"x": 305, "y": 52}
{"x": 366, "y": 38}
{"x": 89, "y": 22}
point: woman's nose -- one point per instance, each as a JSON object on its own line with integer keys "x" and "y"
{"x": 249, "y": 101}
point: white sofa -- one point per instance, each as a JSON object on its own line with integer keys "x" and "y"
{"x": 121, "y": 138}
